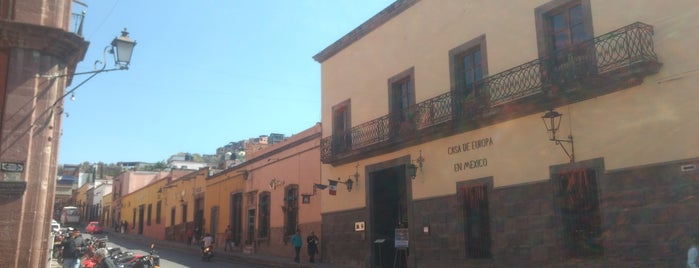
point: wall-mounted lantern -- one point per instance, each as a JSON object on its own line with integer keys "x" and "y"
{"x": 412, "y": 168}
{"x": 552, "y": 120}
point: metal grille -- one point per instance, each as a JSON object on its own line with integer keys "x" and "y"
{"x": 579, "y": 209}
{"x": 476, "y": 221}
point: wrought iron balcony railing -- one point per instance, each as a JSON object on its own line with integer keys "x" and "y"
{"x": 625, "y": 51}
{"x": 76, "y": 23}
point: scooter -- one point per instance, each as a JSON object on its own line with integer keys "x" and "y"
{"x": 207, "y": 253}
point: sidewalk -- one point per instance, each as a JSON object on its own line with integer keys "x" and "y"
{"x": 258, "y": 259}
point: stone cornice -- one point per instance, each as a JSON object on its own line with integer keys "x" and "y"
{"x": 365, "y": 28}
{"x": 64, "y": 45}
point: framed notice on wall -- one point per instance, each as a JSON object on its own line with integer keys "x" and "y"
{"x": 402, "y": 237}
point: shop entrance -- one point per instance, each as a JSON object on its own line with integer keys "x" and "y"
{"x": 388, "y": 202}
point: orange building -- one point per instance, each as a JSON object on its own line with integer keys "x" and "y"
{"x": 269, "y": 196}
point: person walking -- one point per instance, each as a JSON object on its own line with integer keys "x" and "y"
{"x": 190, "y": 236}
{"x": 73, "y": 248}
{"x": 296, "y": 242}
{"x": 229, "y": 239}
{"x": 312, "y": 241}
{"x": 693, "y": 252}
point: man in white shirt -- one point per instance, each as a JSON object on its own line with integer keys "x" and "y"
{"x": 207, "y": 240}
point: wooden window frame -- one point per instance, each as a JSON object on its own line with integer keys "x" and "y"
{"x": 149, "y": 215}
{"x": 264, "y": 214}
{"x": 342, "y": 141}
{"x": 402, "y": 121}
{"x": 158, "y": 211}
{"x": 406, "y": 75}
{"x": 542, "y": 15}
{"x": 291, "y": 209}
{"x": 476, "y": 44}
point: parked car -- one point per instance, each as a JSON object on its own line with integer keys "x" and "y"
{"x": 94, "y": 227}
{"x": 55, "y": 226}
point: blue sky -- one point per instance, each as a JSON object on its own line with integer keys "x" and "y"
{"x": 201, "y": 75}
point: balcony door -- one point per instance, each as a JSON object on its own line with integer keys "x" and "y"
{"x": 401, "y": 98}
{"x": 565, "y": 32}
{"x": 342, "y": 138}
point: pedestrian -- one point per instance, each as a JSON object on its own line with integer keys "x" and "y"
{"x": 73, "y": 248}
{"x": 296, "y": 242}
{"x": 102, "y": 259}
{"x": 312, "y": 241}
{"x": 190, "y": 236}
{"x": 229, "y": 239}
{"x": 197, "y": 233}
{"x": 693, "y": 252}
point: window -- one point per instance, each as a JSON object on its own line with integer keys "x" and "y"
{"x": 579, "y": 210}
{"x": 172, "y": 216}
{"x": 251, "y": 226}
{"x": 264, "y": 215}
{"x": 468, "y": 65}
{"x": 291, "y": 209}
{"x": 158, "y": 210}
{"x": 4, "y": 62}
{"x": 236, "y": 220}
{"x": 476, "y": 214}
{"x": 342, "y": 138}
{"x": 148, "y": 215}
{"x": 562, "y": 29}
{"x": 401, "y": 96}
{"x": 184, "y": 214}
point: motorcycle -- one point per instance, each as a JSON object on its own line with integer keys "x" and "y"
{"x": 58, "y": 248}
{"x": 207, "y": 253}
{"x": 128, "y": 259}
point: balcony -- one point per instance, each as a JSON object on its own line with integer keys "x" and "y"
{"x": 613, "y": 61}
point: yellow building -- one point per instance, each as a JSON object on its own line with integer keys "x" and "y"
{"x": 184, "y": 204}
{"x": 439, "y": 106}
{"x": 80, "y": 197}
{"x": 106, "y": 213}
{"x": 221, "y": 191}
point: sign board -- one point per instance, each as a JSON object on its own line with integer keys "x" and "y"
{"x": 402, "y": 237}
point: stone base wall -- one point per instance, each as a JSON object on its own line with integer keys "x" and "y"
{"x": 340, "y": 244}
{"x": 647, "y": 214}
{"x": 279, "y": 244}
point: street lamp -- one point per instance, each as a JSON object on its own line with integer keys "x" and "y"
{"x": 122, "y": 49}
